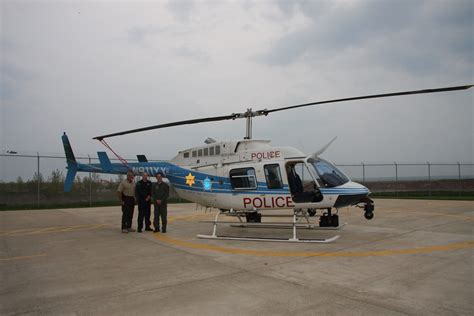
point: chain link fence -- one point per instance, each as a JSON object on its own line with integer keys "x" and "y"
{"x": 37, "y": 180}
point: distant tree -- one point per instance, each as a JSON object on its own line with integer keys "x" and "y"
{"x": 38, "y": 177}
{"x": 120, "y": 178}
{"x": 55, "y": 183}
{"x": 20, "y": 184}
{"x": 91, "y": 183}
{"x": 56, "y": 177}
{"x": 32, "y": 185}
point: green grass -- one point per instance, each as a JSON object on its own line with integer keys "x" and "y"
{"x": 438, "y": 195}
{"x": 82, "y": 204}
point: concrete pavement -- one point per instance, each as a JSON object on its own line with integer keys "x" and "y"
{"x": 414, "y": 257}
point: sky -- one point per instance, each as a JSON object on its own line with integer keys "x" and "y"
{"x": 90, "y": 68}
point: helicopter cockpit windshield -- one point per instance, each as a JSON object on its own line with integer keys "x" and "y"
{"x": 328, "y": 173}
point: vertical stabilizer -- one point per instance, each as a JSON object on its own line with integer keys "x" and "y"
{"x": 71, "y": 164}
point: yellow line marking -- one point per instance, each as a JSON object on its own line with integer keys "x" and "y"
{"x": 22, "y": 257}
{"x": 35, "y": 229}
{"x": 186, "y": 217}
{"x": 4, "y": 232}
{"x": 265, "y": 253}
{"x": 57, "y": 229}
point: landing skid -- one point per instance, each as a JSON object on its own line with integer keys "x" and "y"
{"x": 284, "y": 226}
{"x": 293, "y": 226}
{"x": 321, "y": 241}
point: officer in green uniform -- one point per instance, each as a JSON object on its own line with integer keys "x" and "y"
{"x": 160, "y": 194}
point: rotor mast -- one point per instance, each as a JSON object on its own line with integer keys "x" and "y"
{"x": 248, "y": 115}
{"x": 248, "y": 127}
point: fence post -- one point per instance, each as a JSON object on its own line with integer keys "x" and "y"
{"x": 459, "y": 177}
{"x": 429, "y": 177}
{"x": 363, "y": 172}
{"x": 90, "y": 183}
{"x": 38, "y": 174}
{"x": 396, "y": 177}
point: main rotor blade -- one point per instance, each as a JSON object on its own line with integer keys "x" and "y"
{"x": 385, "y": 95}
{"x": 194, "y": 121}
{"x": 249, "y": 112}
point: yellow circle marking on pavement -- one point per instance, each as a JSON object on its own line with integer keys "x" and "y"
{"x": 266, "y": 253}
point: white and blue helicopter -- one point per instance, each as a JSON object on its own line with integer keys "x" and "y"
{"x": 248, "y": 178}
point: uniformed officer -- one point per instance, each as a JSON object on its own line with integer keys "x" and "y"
{"x": 126, "y": 195}
{"x": 160, "y": 193}
{"x": 143, "y": 195}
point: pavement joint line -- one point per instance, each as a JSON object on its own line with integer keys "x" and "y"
{"x": 22, "y": 257}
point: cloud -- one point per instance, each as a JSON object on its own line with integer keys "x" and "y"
{"x": 12, "y": 80}
{"x": 138, "y": 35}
{"x": 195, "y": 54}
{"x": 181, "y": 9}
{"x": 414, "y": 36}
{"x": 127, "y": 65}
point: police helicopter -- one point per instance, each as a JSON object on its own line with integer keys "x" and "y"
{"x": 248, "y": 178}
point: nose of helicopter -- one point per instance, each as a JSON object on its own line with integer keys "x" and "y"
{"x": 355, "y": 188}
{"x": 351, "y": 193}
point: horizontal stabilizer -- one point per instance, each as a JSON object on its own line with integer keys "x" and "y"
{"x": 142, "y": 158}
{"x": 104, "y": 161}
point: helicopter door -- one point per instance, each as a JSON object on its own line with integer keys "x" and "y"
{"x": 302, "y": 185}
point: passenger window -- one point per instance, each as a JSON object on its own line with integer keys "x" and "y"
{"x": 218, "y": 150}
{"x": 186, "y": 154}
{"x": 243, "y": 178}
{"x": 206, "y": 151}
{"x": 194, "y": 153}
{"x": 211, "y": 151}
{"x": 273, "y": 176}
{"x": 199, "y": 152}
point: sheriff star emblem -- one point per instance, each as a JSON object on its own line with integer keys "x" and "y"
{"x": 190, "y": 179}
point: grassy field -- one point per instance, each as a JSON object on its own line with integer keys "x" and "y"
{"x": 71, "y": 205}
{"x": 440, "y": 195}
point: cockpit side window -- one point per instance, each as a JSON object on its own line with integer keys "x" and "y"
{"x": 303, "y": 187}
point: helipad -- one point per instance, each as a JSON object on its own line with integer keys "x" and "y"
{"x": 414, "y": 257}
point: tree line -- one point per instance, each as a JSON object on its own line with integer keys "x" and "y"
{"x": 54, "y": 184}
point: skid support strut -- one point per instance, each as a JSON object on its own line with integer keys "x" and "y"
{"x": 294, "y": 226}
